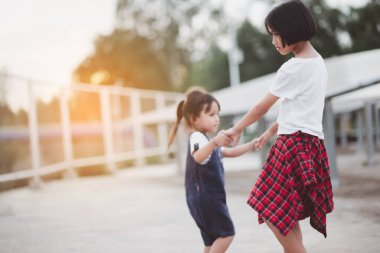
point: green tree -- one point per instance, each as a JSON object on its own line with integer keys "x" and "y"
{"x": 170, "y": 44}
{"x": 153, "y": 43}
{"x": 189, "y": 25}
{"x": 211, "y": 72}
{"x": 128, "y": 57}
{"x": 363, "y": 26}
{"x": 181, "y": 30}
{"x": 330, "y": 24}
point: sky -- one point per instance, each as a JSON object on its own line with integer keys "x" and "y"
{"x": 47, "y": 39}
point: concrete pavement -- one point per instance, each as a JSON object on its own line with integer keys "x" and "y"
{"x": 144, "y": 210}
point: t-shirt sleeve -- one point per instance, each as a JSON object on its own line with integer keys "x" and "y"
{"x": 285, "y": 85}
{"x": 198, "y": 140}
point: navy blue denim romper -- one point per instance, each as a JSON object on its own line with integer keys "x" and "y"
{"x": 206, "y": 197}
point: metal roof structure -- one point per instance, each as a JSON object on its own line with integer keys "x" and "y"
{"x": 347, "y": 73}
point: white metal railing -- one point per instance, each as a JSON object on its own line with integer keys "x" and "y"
{"x": 136, "y": 121}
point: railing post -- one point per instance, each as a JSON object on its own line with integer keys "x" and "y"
{"x": 330, "y": 140}
{"x": 262, "y": 126}
{"x": 138, "y": 137}
{"x": 369, "y": 134}
{"x": 377, "y": 124}
{"x": 66, "y": 132}
{"x": 343, "y": 129}
{"x": 162, "y": 127}
{"x": 107, "y": 129}
{"x": 181, "y": 146}
{"x": 34, "y": 138}
{"x": 359, "y": 131}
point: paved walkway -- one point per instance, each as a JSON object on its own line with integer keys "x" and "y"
{"x": 143, "y": 210}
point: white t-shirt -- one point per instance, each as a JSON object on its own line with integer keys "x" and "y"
{"x": 198, "y": 140}
{"x": 301, "y": 85}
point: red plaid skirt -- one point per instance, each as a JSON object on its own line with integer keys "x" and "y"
{"x": 294, "y": 184}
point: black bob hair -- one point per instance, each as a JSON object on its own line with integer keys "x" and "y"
{"x": 293, "y": 21}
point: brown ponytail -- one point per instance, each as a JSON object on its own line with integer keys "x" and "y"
{"x": 179, "y": 118}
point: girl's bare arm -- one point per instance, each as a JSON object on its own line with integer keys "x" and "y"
{"x": 239, "y": 150}
{"x": 253, "y": 115}
{"x": 203, "y": 152}
{"x": 263, "y": 139}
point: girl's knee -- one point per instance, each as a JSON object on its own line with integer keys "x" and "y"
{"x": 295, "y": 249}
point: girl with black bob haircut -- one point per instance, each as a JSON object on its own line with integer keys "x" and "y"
{"x": 292, "y": 21}
{"x": 294, "y": 183}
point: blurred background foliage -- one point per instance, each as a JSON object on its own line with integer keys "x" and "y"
{"x": 171, "y": 44}
{"x": 174, "y": 44}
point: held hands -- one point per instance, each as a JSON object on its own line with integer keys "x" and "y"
{"x": 221, "y": 139}
{"x": 231, "y": 137}
{"x": 257, "y": 143}
{"x": 234, "y": 134}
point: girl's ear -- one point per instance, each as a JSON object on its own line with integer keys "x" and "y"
{"x": 194, "y": 121}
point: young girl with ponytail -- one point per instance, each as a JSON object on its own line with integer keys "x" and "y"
{"x": 204, "y": 177}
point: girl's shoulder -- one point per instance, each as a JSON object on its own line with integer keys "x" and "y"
{"x": 295, "y": 64}
{"x": 198, "y": 138}
{"x": 197, "y": 134}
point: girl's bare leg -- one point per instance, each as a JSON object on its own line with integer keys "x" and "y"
{"x": 221, "y": 244}
{"x": 297, "y": 229}
{"x": 207, "y": 249}
{"x": 292, "y": 242}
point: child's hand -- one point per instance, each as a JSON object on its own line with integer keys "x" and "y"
{"x": 221, "y": 139}
{"x": 234, "y": 135}
{"x": 261, "y": 141}
{"x": 255, "y": 143}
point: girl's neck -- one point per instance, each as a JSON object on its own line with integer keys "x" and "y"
{"x": 197, "y": 130}
{"x": 304, "y": 49}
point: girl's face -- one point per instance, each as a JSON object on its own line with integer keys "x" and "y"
{"x": 277, "y": 43}
{"x": 208, "y": 122}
